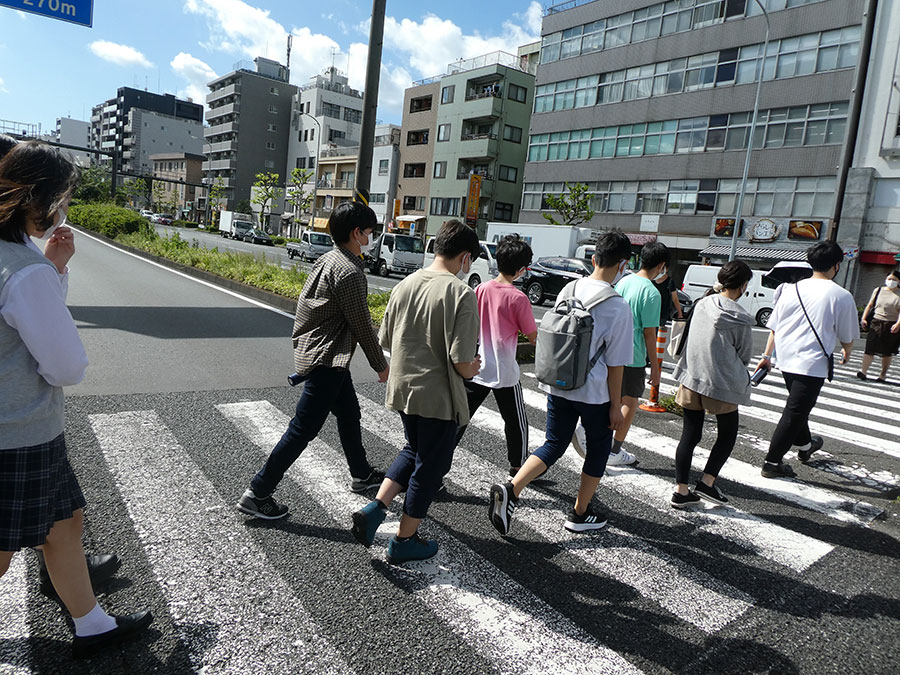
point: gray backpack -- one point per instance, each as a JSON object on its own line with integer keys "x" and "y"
{"x": 563, "y": 355}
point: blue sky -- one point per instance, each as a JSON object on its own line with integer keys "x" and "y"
{"x": 49, "y": 68}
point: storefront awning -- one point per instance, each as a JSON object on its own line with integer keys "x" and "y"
{"x": 754, "y": 253}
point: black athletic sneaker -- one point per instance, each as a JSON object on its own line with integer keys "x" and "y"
{"x": 815, "y": 443}
{"x": 861, "y": 375}
{"x": 373, "y": 480}
{"x": 710, "y": 493}
{"x": 586, "y": 522}
{"x": 680, "y": 501}
{"x": 503, "y": 502}
{"x": 265, "y": 507}
{"x": 781, "y": 470}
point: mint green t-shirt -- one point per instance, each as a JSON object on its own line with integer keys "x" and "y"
{"x": 645, "y": 302}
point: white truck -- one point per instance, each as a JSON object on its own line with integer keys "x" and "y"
{"x": 399, "y": 253}
{"x": 546, "y": 240}
{"x": 235, "y": 225}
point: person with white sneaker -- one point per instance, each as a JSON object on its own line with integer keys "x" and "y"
{"x": 712, "y": 377}
{"x": 596, "y": 403}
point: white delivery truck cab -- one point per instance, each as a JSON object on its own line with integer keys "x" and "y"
{"x": 235, "y": 225}
{"x": 546, "y": 241}
{"x": 312, "y": 246}
{"x": 758, "y": 300}
{"x": 484, "y": 268}
{"x": 399, "y": 253}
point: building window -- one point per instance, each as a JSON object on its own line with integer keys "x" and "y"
{"x": 312, "y": 162}
{"x": 419, "y": 137}
{"x": 305, "y": 135}
{"x": 517, "y": 93}
{"x": 413, "y": 170}
{"x": 447, "y": 93}
{"x": 301, "y": 162}
{"x": 331, "y": 110}
{"x": 273, "y": 109}
{"x": 351, "y": 115}
{"x": 411, "y": 203}
{"x": 273, "y": 91}
{"x": 377, "y": 198}
{"x": 312, "y": 134}
{"x": 335, "y": 134}
{"x": 508, "y": 173}
{"x": 383, "y": 167}
{"x": 445, "y": 206}
{"x": 271, "y": 127}
{"x": 503, "y": 212}
{"x": 270, "y": 145}
{"x": 513, "y": 134}
{"x": 440, "y": 169}
{"x": 443, "y": 132}
{"x": 420, "y": 104}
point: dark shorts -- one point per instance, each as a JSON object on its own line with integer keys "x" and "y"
{"x": 880, "y": 341}
{"x": 37, "y": 488}
{"x": 633, "y": 381}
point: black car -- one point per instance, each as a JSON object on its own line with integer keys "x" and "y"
{"x": 256, "y": 236}
{"x": 546, "y": 277}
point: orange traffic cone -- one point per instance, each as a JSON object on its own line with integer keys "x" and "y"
{"x": 653, "y": 405}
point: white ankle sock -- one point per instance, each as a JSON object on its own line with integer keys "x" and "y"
{"x": 94, "y": 622}
{"x": 804, "y": 448}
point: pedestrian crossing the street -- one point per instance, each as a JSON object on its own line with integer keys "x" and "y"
{"x": 648, "y": 593}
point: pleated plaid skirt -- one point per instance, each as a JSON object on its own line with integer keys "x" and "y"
{"x": 37, "y": 488}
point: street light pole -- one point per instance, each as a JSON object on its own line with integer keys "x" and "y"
{"x": 370, "y": 103}
{"x": 315, "y": 169}
{"x": 740, "y": 203}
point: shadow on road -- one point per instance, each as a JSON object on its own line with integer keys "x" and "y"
{"x": 178, "y": 323}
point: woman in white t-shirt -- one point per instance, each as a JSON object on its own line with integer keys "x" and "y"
{"x": 882, "y": 317}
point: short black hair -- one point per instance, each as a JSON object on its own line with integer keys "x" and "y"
{"x": 7, "y": 143}
{"x": 456, "y": 237}
{"x": 824, "y": 255}
{"x": 347, "y": 217}
{"x": 734, "y": 274}
{"x": 653, "y": 254}
{"x": 612, "y": 248}
{"x": 895, "y": 274}
{"x": 513, "y": 253}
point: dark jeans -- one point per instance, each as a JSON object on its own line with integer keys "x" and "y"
{"x": 424, "y": 461}
{"x": 512, "y": 410}
{"x": 793, "y": 427}
{"x": 325, "y": 390}
{"x": 692, "y": 432}
{"x": 562, "y": 418}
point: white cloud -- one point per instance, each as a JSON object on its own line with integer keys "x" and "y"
{"x": 237, "y": 27}
{"x": 197, "y": 73}
{"x": 121, "y": 55}
{"x": 3, "y": 89}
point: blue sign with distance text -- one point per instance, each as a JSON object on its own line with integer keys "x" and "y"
{"x": 73, "y": 11}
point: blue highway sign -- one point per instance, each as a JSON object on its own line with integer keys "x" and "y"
{"x": 73, "y": 11}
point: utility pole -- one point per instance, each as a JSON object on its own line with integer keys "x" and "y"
{"x": 370, "y": 103}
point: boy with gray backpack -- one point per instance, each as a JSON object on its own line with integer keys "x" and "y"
{"x": 582, "y": 348}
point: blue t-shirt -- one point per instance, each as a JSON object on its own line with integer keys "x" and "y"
{"x": 645, "y": 302}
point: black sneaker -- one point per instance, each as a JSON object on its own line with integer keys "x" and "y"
{"x": 710, "y": 493}
{"x": 503, "y": 502}
{"x": 780, "y": 470}
{"x": 261, "y": 507}
{"x": 100, "y": 569}
{"x": 680, "y": 501}
{"x": 815, "y": 443}
{"x": 586, "y": 522}
{"x": 127, "y": 628}
{"x": 861, "y": 375}
{"x": 373, "y": 480}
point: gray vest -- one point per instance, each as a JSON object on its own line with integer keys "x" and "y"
{"x": 31, "y": 410}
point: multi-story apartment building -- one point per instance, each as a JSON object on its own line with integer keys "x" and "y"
{"x": 249, "y": 118}
{"x": 649, "y": 105}
{"x": 472, "y": 120}
{"x": 74, "y": 132}
{"x": 137, "y": 124}
{"x": 188, "y": 200}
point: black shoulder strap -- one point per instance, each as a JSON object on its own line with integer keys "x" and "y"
{"x": 824, "y": 351}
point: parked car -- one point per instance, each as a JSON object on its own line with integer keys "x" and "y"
{"x": 162, "y": 218}
{"x": 545, "y": 278}
{"x": 311, "y": 246}
{"x": 257, "y": 236}
{"x": 146, "y": 213}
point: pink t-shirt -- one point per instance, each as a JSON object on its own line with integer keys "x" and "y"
{"x": 504, "y": 311}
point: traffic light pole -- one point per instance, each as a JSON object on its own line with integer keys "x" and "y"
{"x": 370, "y": 103}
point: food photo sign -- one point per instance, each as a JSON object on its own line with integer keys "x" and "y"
{"x": 769, "y": 230}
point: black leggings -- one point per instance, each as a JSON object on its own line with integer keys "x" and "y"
{"x": 691, "y": 434}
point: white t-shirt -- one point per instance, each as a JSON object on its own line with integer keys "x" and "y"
{"x": 613, "y": 325}
{"x": 832, "y": 311}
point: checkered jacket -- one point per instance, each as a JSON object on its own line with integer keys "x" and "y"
{"x": 333, "y": 316}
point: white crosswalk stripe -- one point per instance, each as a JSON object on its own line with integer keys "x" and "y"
{"x": 255, "y": 609}
{"x": 691, "y": 595}
{"x": 464, "y": 590}
{"x": 15, "y": 657}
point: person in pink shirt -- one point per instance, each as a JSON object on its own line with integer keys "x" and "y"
{"x": 504, "y": 311}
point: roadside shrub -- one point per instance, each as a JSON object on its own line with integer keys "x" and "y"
{"x": 106, "y": 219}
{"x": 668, "y": 402}
{"x": 185, "y": 223}
{"x": 278, "y": 241}
{"x": 377, "y": 304}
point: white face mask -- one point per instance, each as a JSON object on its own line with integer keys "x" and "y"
{"x": 620, "y": 272}
{"x": 465, "y": 268}
{"x": 891, "y": 282}
{"x": 46, "y": 234}
{"x": 369, "y": 245}
{"x": 660, "y": 276}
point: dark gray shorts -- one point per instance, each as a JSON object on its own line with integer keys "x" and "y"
{"x": 633, "y": 381}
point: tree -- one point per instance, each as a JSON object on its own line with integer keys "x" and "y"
{"x": 137, "y": 191}
{"x": 266, "y": 190}
{"x": 299, "y": 198}
{"x": 94, "y": 185}
{"x": 574, "y": 205}
{"x": 160, "y": 198}
{"x": 216, "y": 195}
{"x": 243, "y": 206}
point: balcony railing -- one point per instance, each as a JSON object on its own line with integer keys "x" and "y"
{"x": 474, "y": 96}
{"x": 339, "y": 184}
{"x": 464, "y": 175}
{"x": 479, "y": 137}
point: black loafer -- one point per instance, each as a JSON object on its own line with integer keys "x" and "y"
{"x": 127, "y": 627}
{"x": 100, "y": 568}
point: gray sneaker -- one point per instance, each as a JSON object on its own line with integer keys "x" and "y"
{"x": 373, "y": 480}
{"x": 261, "y": 507}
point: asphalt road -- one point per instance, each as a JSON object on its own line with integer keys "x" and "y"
{"x": 186, "y": 396}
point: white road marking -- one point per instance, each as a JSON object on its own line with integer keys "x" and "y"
{"x": 690, "y": 594}
{"x": 15, "y": 653}
{"x": 518, "y": 631}
{"x": 207, "y": 564}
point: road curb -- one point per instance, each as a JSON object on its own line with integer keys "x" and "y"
{"x": 277, "y": 301}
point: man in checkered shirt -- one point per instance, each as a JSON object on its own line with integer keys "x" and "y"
{"x": 332, "y": 317}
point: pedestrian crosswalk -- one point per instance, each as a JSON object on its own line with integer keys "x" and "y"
{"x": 534, "y": 602}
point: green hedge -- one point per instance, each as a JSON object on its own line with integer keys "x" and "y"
{"x": 185, "y": 223}
{"x": 278, "y": 241}
{"x": 106, "y": 219}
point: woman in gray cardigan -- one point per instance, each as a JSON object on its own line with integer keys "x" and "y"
{"x": 713, "y": 377}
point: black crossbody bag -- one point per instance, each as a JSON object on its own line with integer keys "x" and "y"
{"x": 829, "y": 355}
{"x": 871, "y": 315}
